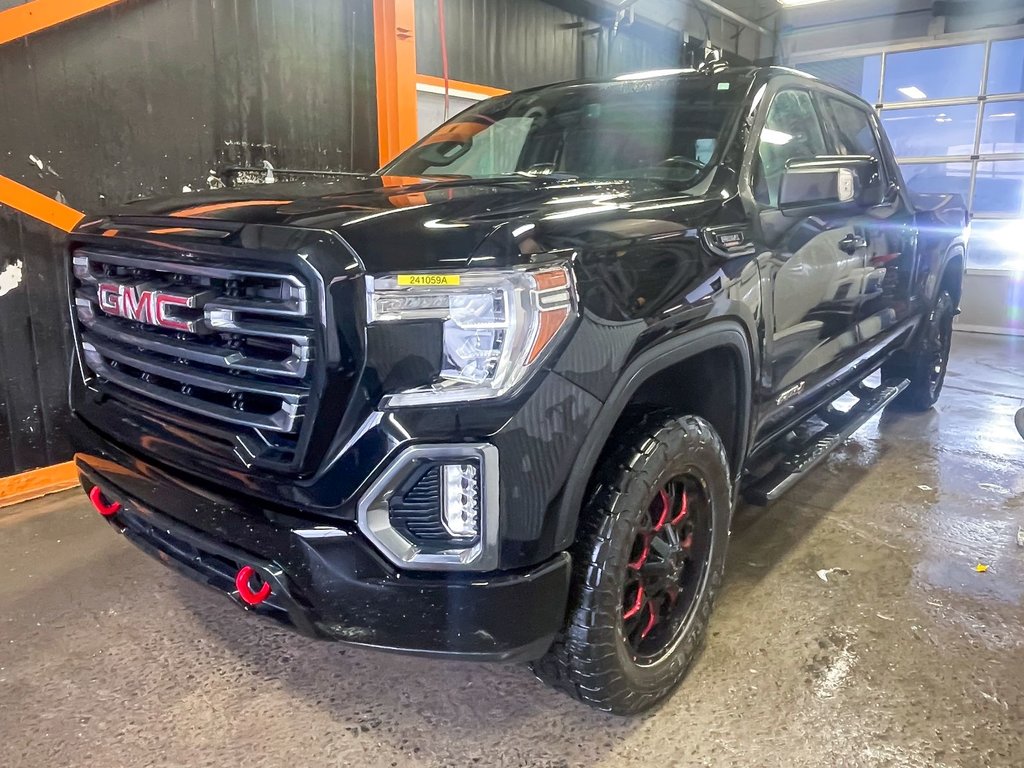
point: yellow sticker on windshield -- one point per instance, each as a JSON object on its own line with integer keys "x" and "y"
{"x": 429, "y": 280}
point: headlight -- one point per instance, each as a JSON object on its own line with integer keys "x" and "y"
{"x": 496, "y": 326}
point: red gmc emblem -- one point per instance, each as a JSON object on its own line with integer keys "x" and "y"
{"x": 152, "y": 307}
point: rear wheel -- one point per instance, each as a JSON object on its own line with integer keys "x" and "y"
{"x": 926, "y": 365}
{"x": 648, "y": 563}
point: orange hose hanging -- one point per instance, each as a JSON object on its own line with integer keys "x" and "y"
{"x": 444, "y": 55}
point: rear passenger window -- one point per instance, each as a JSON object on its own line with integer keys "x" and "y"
{"x": 792, "y": 130}
{"x": 854, "y": 134}
{"x": 853, "y": 126}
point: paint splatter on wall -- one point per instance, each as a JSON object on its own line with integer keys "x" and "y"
{"x": 10, "y": 278}
{"x": 160, "y": 100}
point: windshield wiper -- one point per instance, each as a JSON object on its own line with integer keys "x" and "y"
{"x": 663, "y": 180}
{"x": 553, "y": 175}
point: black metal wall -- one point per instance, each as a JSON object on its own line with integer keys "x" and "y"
{"x": 521, "y": 43}
{"x": 150, "y": 97}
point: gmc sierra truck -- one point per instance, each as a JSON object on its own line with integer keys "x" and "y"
{"x": 500, "y": 399}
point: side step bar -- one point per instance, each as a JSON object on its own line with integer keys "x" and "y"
{"x": 839, "y": 427}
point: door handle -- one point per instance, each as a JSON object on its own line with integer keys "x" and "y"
{"x": 851, "y": 243}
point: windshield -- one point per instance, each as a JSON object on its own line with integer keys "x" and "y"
{"x": 667, "y": 128}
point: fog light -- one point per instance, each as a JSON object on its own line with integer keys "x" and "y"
{"x": 460, "y": 500}
{"x": 435, "y": 508}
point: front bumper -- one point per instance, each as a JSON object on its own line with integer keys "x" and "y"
{"x": 329, "y": 582}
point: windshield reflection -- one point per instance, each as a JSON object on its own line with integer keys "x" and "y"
{"x": 665, "y": 129}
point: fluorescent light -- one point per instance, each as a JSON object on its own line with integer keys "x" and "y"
{"x": 653, "y": 73}
{"x": 1005, "y": 114}
{"x": 913, "y": 92}
{"x": 775, "y": 137}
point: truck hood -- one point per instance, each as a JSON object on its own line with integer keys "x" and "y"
{"x": 417, "y": 223}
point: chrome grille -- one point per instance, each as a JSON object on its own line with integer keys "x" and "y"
{"x": 233, "y": 344}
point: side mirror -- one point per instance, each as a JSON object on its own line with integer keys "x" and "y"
{"x": 830, "y": 185}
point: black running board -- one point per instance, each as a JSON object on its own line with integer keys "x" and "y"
{"x": 840, "y": 426}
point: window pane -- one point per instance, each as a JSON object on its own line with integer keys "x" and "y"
{"x": 859, "y": 75}
{"x": 1006, "y": 67}
{"x": 995, "y": 244}
{"x": 791, "y": 130}
{"x": 854, "y": 127}
{"x": 934, "y": 73}
{"x": 941, "y": 178}
{"x": 999, "y": 188}
{"x": 1002, "y": 127}
{"x": 932, "y": 131}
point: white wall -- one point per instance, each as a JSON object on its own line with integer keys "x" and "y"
{"x": 850, "y": 23}
{"x": 993, "y": 302}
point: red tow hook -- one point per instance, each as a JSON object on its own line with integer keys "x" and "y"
{"x": 245, "y": 574}
{"x": 104, "y": 507}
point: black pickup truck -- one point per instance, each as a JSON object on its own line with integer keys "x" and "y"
{"x": 500, "y": 399}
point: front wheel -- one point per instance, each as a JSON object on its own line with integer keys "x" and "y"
{"x": 647, "y": 565}
{"x": 926, "y": 365}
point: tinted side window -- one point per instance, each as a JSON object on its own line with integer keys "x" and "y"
{"x": 853, "y": 127}
{"x": 854, "y": 133}
{"x": 792, "y": 130}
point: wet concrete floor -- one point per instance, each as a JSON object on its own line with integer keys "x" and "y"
{"x": 853, "y": 630}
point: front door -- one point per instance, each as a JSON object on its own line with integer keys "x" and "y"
{"x": 815, "y": 269}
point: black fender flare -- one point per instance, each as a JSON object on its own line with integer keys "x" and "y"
{"x": 956, "y": 248}
{"x": 730, "y": 334}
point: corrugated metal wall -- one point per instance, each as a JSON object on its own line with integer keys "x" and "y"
{"x": 519, "y": 44}
{"x": 499, "y": 43}
{"x": 146, "y": 98}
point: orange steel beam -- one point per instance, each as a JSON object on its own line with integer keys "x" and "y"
{"x": 394, "y": 26}
{"x": 38, "y": 205}
{"x": 16, "y": 23}
{"x": 460, "y": 85}
{"x": 37, "y": 482}
{"x": 25, "y": 19}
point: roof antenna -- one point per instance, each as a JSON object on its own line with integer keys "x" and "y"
{"x": 713, "y": 61}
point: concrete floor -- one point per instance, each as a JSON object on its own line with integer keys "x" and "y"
{"x": 905, "y": 656}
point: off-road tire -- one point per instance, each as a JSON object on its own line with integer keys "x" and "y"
{"x": 925, "y": 365}
{"x": 590, "y": 659}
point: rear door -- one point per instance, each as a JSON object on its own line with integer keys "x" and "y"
{"x": 884, "y": 282}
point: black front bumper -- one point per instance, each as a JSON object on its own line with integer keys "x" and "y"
{"x": 329, "y": 582}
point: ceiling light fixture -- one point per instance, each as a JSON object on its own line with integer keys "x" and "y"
{"x": 913, "y": 92}
{"x": 794, "y": 3}
{"x": 779, "y": 138}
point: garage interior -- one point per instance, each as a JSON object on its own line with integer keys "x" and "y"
{"x": 873, "y": 616}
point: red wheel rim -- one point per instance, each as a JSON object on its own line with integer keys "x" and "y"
{"x": 666, "y": 567}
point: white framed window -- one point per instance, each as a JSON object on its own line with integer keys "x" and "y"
{"x": 955, "y": 117}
